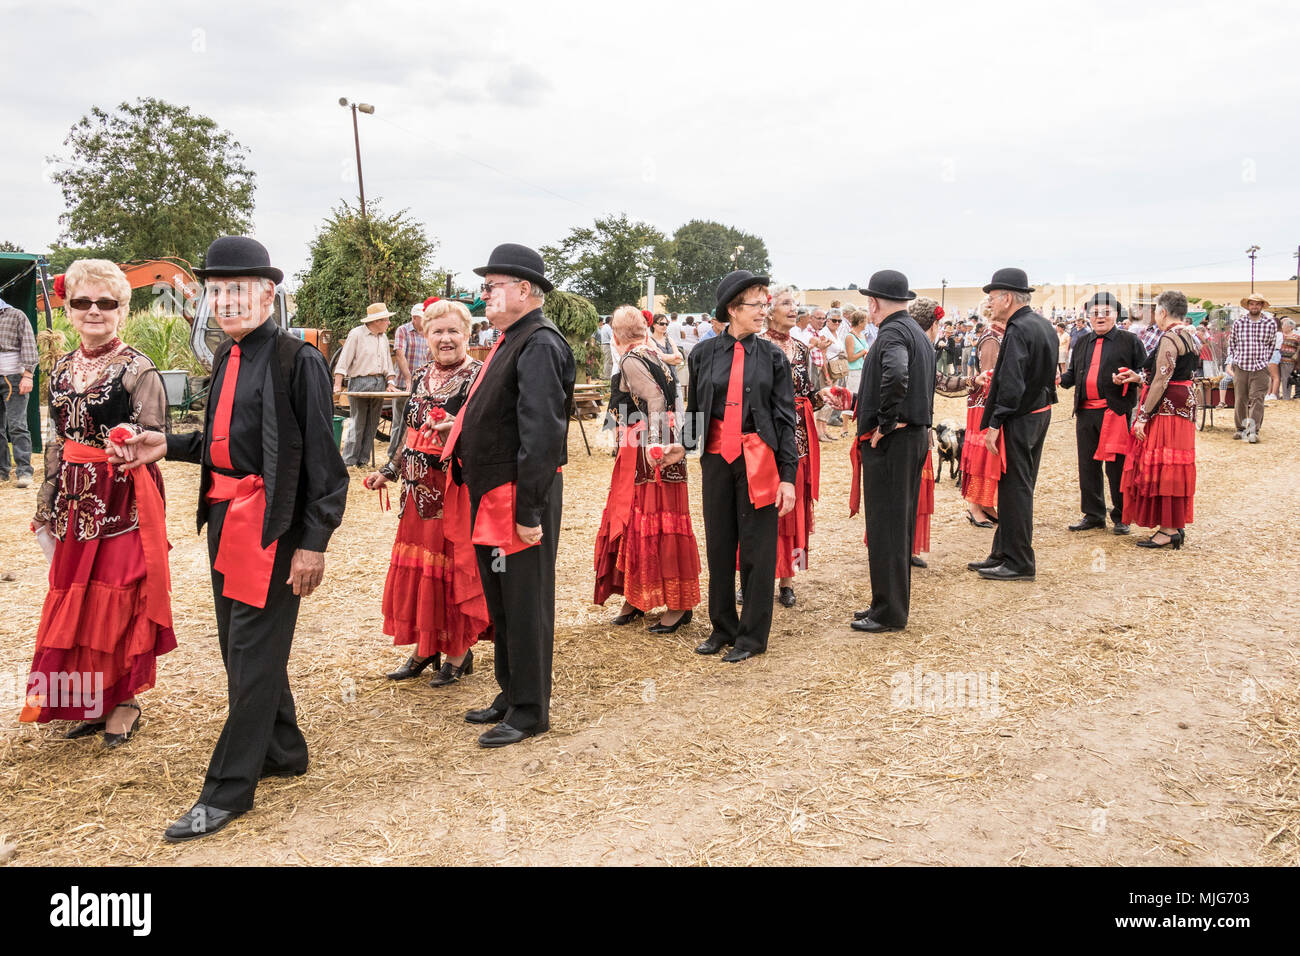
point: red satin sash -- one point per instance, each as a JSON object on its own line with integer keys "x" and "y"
{"x": 153, "y": 531}
{"x": 240, "y": 555}
{"x": 622, "y": 486}
{"x": 855, "y": 457}
{"x": 494, "y": 526}
{"x": 1114, "y": 437}
{"x": 760, "y": 464}
{"x": 804, "y": 407}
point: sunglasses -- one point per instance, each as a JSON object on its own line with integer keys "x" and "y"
{"x": 83, "y": 305}
{"x": 836, "y": 321}
{"x": 661, "y": 323}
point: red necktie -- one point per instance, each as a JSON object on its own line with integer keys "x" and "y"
{"x": 460, "y": 419}
{"x": 732, "y": 416}
{"x": 219, "y": 447}
{"x": 1094, "y": 370}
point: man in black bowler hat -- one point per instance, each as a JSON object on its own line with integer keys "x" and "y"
{"x": 271, "y": 490}
{"x": 1102, "y": 409}
{"x": 1017, "y": 411}
{"x": 894, "y": 408}
{"x": 740, "y": 406}
{"x": 508, "y": 444}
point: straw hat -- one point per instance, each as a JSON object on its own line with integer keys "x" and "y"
{"x": 376, "y": 311}
{"x": 1254, "y": 297}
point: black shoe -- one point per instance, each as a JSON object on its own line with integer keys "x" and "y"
{"x": 202, "y": 820}
{"x": 1176, "y": 540}
{"x": 918, "y": 561}
{"x": 872, "y": 627}
{"x": 672, "y": 628}
{"x": 979, "y": 524}
{"x": 861, "y": 615}
{"x": 740, "y": 595}
{"x": 1087, "y": 524}
{"x": 1004, "y": 573}
{"x": 488, "y": 715}
{"x": 450, "y": 673}
{"x": 787, "y": 597}
{"x": 736, "y": 654}
{"x": 414, "y": 666}
{"x": 1121, "y": 528}
{"x": 503, "y": 735}
{"x": 714, "y": 644}
{"x": 113, "y": 741}
{"x": 84, "y": 730}
{"x": 985, "y": 564}
{"x": 627, "y": 618}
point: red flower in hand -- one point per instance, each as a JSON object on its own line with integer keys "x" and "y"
{"x": 120, "y": 434}
{"x": 438, "y": 414}
{"x": 656, "y": 452}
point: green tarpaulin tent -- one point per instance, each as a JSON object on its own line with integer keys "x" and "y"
{"x": 18, "y": 284}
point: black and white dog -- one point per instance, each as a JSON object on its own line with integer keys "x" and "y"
{"x": 950, "y": 440}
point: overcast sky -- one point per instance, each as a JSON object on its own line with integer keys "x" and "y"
{"x": 1106, "y": 141}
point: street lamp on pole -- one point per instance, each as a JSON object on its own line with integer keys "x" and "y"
{"x": 735, "y": 257}
{"x": 943, "y": 291}
{"x": 356, "y": 139}
{"x": 1253, "y": 251}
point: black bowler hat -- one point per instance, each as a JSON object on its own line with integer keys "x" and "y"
{"x": 1105, "y": 298}
{"x": 512, "y": 259}
{"x": 889, "y": 284}
{"x": 732, "y": 284}
{"x": 1013, "y": 280}
{"x": 238, "y": 256}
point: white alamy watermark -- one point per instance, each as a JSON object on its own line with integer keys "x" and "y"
{"x": 60, "y": 690}
{"x": 934, "y": 691}
{"x": 75, "y": 908}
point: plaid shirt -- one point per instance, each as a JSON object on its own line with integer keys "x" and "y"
{"x": 1149, "y": 337}
{"x": 16, "y": 336}
{"x": 408, "y": 342}
{"x": 1251, "y": 342}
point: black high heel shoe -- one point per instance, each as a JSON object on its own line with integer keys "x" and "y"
{"x": 450, "y": 673}
{"x": 113, "y": 741}
{"x": 671, "y": 628}
{"x": 979, "y": 524}
{"x": 84, "y": 730}
{"x": 627, "y": 618}
{"x": 1176, "y": 540}
{"x": 415, "y": 667}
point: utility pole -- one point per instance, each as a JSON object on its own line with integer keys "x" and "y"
{"x": 1253, "y": 251}
{"x": 943, "y": 292}
{"x": 361, "y": 184}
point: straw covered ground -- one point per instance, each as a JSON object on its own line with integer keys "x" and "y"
{"x": 1128, "y": 707}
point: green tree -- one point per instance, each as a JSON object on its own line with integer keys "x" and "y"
{"x": 7, "y": 246}
{"x": 704, "y": 253}
{"x": 153, "y": 179}
{"x": 355, "y": 262}
{"x": 600, "y": 262}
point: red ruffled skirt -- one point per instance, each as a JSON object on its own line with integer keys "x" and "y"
{"x": 431, "y": 600}
{"x": 924, "y": 507}
{"x": 655, "y": 562}
{"x": 980, "y": 471}
{"x": 96, "y": 645}
{"x": 1159, "y": 480}
{"x": 793, "y": 530}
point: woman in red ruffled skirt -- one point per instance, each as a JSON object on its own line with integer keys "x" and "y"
{"x": 433, "y": 597}
{"x": 107, "y": 615}
{"x": 646, "y": 549}
{"x": 980, "y": 471}
{"x": 1159, "y": 482}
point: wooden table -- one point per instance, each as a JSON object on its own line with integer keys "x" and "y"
{"x": 388, "y": 395}
{"x": 592, "y": 394}
{"x": 1211, "y": 396}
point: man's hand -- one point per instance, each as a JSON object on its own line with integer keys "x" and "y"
{"x": 784, "y": 499}
{"x": 877, "y": 434}
{"x": 991, "y": 441}
{"x": 338, "y": 384}
{"x": 306, "y": 571}
{"x": 141, "y": 449}
{"x": 529, "y": 535}
{"x": 25, "y": 385}
{"x": 392, "y": 387}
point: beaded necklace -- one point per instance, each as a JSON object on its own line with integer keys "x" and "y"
{"x": 89, "y": 364}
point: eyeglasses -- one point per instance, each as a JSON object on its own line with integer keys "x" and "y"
{"x": 487, "y": 287}
{"x": 835, "y": 321}
{"x": 83, "y": 305}
{"x": 761, "y": 306}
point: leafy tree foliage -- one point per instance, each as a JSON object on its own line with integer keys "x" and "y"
{"x": 599, "y": 262}
{"x": 704, "y": 253}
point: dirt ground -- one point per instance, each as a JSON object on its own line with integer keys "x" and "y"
{"x": 1127, "y": 707}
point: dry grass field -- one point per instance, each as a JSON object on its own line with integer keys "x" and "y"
{"x": 1129, "y": 708}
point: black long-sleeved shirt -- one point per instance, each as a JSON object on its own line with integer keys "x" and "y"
{"x": 1119, "y": 349}
{"x": 897, "y": 377}
{"x": 323, "y": 479}
{"x": 1024, "y": 379}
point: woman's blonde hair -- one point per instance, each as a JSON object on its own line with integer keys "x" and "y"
{"x": 627, "y": 323}
{"x": 85, "y": 271}
{"x": 437, "y": 310}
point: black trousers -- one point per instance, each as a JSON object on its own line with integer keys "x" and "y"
{"x": 1092, "y": 493}
{"x": 732, "y": 522}
{"x": 520, "y": 593}
{"x": 1013, "y": 542}
{"x": 891, "y": 485}
{"x": 261, "y": 734}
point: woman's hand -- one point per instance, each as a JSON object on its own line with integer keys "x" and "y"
{"x": 374, "y": 481}
{"x": 36, "y": 526}
{"x": 142, "y": 449}
{"x": 673, "y": 454}
{"x": 1140, "y": 430}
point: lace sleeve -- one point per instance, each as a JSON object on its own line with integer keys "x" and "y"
{"x": 640, "y": 384}
{"x": 1166, "y": 357}
{"x": 148, "y": 395}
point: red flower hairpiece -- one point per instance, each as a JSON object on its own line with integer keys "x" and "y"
{"x": 938, "y": 312}
{"x": 649, "y": 317}
{"x": 60, "y": 286}
{"x": 431, "y": 300}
